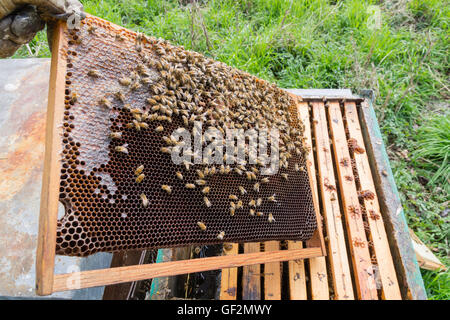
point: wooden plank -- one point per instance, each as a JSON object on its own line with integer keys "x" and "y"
{"x": 123, "y": 291}
{"x": 102, "y": 277}
{"x": 272, "y": 274}
{"x": 426, "y": 259}
{"x": 408, "y": 272}
{"x": 362, "y": 266}
{"x": 228, "y": 281}
{"x": 317, "y": 266}
{"x": 251, "y": 285}
{"x": 297, "y": 275}
{"x": 45, "y": 255}
{"x": 337, "y": 252}
{"x": 386, "y": 269}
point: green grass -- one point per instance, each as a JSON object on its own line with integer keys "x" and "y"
{"x": 332, "y": 44}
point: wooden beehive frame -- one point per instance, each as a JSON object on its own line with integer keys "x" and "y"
{"x": 48, "y": 282}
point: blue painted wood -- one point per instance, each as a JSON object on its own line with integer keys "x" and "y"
{"x": 156, "y": 281}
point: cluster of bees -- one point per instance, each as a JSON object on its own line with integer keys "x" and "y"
{"x": 191, "y": 87}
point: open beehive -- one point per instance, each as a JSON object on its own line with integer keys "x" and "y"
{"x": 116, "y": 98}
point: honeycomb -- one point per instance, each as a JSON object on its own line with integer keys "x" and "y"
{"x": 125, "y": 93}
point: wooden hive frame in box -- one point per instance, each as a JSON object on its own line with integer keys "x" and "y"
{"x": 47, "y": 282}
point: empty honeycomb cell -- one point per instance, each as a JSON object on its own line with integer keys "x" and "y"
{"x": 104, "y": 211}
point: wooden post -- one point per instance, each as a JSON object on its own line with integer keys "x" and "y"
{"x": 45, "y": 255}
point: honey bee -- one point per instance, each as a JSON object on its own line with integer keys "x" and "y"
{"x": 221, "y": 235}
{"x": 125, "y": 81}
{"x": 143, "y": 125}
{"x": 259, "y": 214}
{"x": 256, "y": 187}
{"x": 222, "y": 169}
{"x": 139, "y": 170}
{"x": 165, "y": 150}
{"x": 119, "y": 37}
{"x": 272, "y": 198}
{"x": 136, "y": 111}
{"x": 121, "y": 149}
{"x": 206, "y": 190}
{"x": 252, "y": 212}
{"x": 207, "y": 202}
{"x": 270, "y": 218}
{"x": 159, "y": 129}
{"x": 115, "y": 135}
{"x": 136, "y": 125}
{"x": 242, "y": 190}
{"x": 166, "y": 188}
{"x": 238, "y": 171}
{"x": 120, "y": 96}
{"x": 255, "y": 170}
{"x": 285, "y": 176}
{"x": 212, "y": 171}
{"x": 137, "y": 116}
{"x": 144, "y": 200}
{"x": 259, "y": 202}
{"x": 179, "y": 175}
{"x": 169, "y": 141}
{"x": 201, "y": 225}
{"x": 232, "y": 211}
{"x": 200, "y": 182}
{"x": 265, "y": 180}
{"x": 190, "y": 185}
{"x": 233, "y": 197}
{"x": 94, "y": 73}
{"x": 74, "y": 97}
{"x": 187, "y": 164}
{"x": 106, "y": 102}
{"x": 239, "y": 204}
{"x": 91, "y": 29}
{"x": 249, "y": 175}
{"x": 200, "y": 174}
{"x": 252, "y": 203}
{"x": 135, "y": 86}
{"x": 227, "y": 169}
{"x": 140, "y": 178}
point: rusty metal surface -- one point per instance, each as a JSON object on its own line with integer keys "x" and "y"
{"x": 23, "y": 96}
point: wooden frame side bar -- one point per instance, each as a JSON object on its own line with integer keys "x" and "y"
{"x": 359, "y": 246}
{"x": 338, "y": 255}
{"x": 102, "y": 277}
{"x": 272, "y": 274}
{"x": 317, "y": 266}
{"x": 228, "y": 280}
{"x": 378, "y": 234}
{"x": 251, "y": 275}
{"x": 48, "y": 216}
